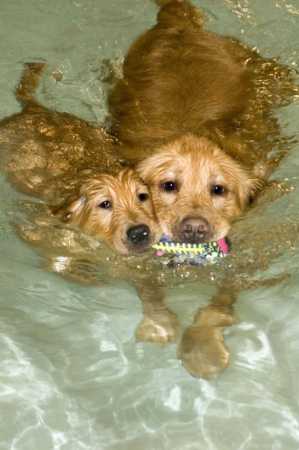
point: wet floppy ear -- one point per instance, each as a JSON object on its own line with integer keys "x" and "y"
{"x": 71, "y": 209}
{"x": 249, "y": 190}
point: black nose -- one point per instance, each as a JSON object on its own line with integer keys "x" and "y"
{"x": 194, "y": 230}
{"x": 138, "y": 235}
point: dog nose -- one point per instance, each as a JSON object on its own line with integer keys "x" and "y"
{"x": 138, "y": 235}
{"x": 194, "y": 230}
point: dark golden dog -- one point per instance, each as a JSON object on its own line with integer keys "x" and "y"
{"x": 64, "y": 160}
{"x": 195, "y": 112}
{"x": 183, "y": 85}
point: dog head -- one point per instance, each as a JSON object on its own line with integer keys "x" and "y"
{"x": 197, "y": 189}
{"x": 115, "y": 209}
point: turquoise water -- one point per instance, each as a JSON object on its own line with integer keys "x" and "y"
{"x": 72, "y": 376}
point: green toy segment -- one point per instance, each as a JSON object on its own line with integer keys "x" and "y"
{"x": 188, "y": 249}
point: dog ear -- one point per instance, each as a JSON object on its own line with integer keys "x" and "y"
{"x": 256, "y": 183}
{"x": 249, "y": 190}
{"x": 71, "y": 209}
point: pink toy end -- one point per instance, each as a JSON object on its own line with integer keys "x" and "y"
{"x": 223, "y": 245}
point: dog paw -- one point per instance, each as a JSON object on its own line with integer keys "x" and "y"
{"x": 203, "y": 352}
{"x": 215, "y": 316}
{"x": 160, "y": 329}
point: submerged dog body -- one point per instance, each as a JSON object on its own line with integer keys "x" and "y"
{"x": 178, "y": 79}
{"x": 72, "y": 166}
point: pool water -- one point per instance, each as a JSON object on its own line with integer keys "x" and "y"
{"x": 72, "y": 376}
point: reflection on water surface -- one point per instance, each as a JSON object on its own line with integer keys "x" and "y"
{"x": 72, "y": 375}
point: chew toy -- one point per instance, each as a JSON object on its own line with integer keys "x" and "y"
{"x": 195, "y": 254}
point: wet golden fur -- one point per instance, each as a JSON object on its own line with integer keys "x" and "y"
{"x": 196, "y": 166}
{"x": 183, "y": 85}
{"x": 178, "y": 78}
{"x": 130, "y": 206}
{"x": 66, "y": 161}
{"x": 195, "y": 112}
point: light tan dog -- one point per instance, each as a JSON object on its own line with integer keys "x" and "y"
{"x": 72, "y": 166}
{"x": 117, "y": 210}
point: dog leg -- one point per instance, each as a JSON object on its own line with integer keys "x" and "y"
{"x": 202, "y": 348}
{"x": 159, "y": 324}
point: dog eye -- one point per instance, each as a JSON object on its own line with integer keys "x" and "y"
{"x": 105, "y": 204}
{"x": 218, "y": 189}
{"x": 169, "y": 186}
{"x": 250, "y": 200}
{"x": 143, "y": 196}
